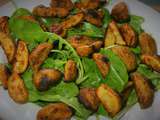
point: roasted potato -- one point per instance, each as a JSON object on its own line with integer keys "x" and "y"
{"x": 84, "y": 50}
{"x": 45, "y": 78}
{"x": 16, "y": 89}
{"x": 143, "y": 89}
{"x": 70, "y": 71}
{"x": 39, "y": 54}
{"x": 127, "y": 56}
{"x": 120, "y": 12}
{"x": 8, "y": 45}
{"x": 113, "y": 35}
{"x": 4, "y": 74}
{"x": 21, "y": 58}
{"x": 147, "y": 44}
{"x": 151, "y": 61}
{"x": 87, "y": 4}
{"x": 58, "y": 29}
{"x": 109, "y": 98}
{"x": 129, "y": 35}
{"x": 4, "y": 24}
{"x": 102, "y": 63}
{"x": 88, "y": 97}
{"x": 55, "y": 111}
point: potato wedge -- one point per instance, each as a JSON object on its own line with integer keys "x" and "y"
{"x": 147, "y": 44}
{"x": 109, "y": 98}
{"x": 87, "y": 4}
{"x": 45, "y": 78}
{"x": 102, "y": 63}
{"x": 151, "y": 61}
{"x": 127, "y": 56}
{"x": 84, "y": 50}
{"x": 21, "y": 58}
{"x": 70, "y": 71}
{"x": 113, "y": 35}
{"x": 4, "y": 24}
{"x": 120, "y": 11}
{"x": 88, "y": 97}
{"x": 8, "y": 45}
{"x": 39, "y": 54}
{"x": 129, "y": 35}
{"x": 16, "y": 89}
{"x": 55, "y": 111}
{"x": 4, "y": 74}
{"x": 143, "y": 90}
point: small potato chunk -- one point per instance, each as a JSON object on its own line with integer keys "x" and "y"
{"x": 113, "y": 35}
{"x": 87, "y": 4}
{"x": 102, "y": 63}
{"x": 55, "y": 111}
{"x": 143, "y": 89}
{"x": 109, "y": 98}
{"x": 127, "y": 56}
{"x": 16, "y": 89}
{"x": 39, "y": 54}
{"x": 4, "y": 74}
{"x": 4, "y": 24}
{"x": 45, "y": 78}
{"x": 129, "y": 35}
{"x": 8, "y": 46}
{"x": 147, "y": 44}
{"x": 84, "y": 50}
{"x": 88, "y": 97}
{"x": 70, "y": 71}
{"x": 151, "y": 61}
{"x": 120, "y": 11}
{"x": 21, "y": 58}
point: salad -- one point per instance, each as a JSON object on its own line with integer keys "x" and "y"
{"x": 74, "y": 58}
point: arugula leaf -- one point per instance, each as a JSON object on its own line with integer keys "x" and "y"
{"x": 20, "y": 12}
{"x": 136, "y": 50}
{"x": 107, "y": 18}
{"x": 102, "y": 111}
{"x": 49, "y": 21}
{"x": 117, "y": 77}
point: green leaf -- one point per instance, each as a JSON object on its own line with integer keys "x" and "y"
{"x": 136, "y": 50}
{"x": 21, "y": 12}
{"x": 117, "y": 77}
{"x": 107, "y": 18}
{"x": 132, "y": 99}
{"x": 102, "y": 111}
{"x": 49, "y": 21}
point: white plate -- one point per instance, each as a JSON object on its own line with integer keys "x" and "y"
{"x": 9, "y": 110}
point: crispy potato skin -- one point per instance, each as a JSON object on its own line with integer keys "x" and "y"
{"x": 4, "y": 75}
{"x": 8, "y": 46}
{"x": 88, "y": 97}
{"x": 109, "y": 98}
{"x": 55, "y": 111}
{"x": 120, "y": 11}
{"x": 147, "y": 44}
{"x": 102, "y": 63}
{"x": 127, "y": 56}
{"x": 143, "y": 89}
{"x": 39, "y": 54}
{"x": 4, "y": 24}
{"x": 16, "y": 89}
{"x": 129, "y": 35}
{"x": 45, "y": 78}
{"x": 151, "y": 61}
{"x": 88, "y": 4}
{"x": 21, "y": 58}
{"x": 113, "y": 35}
{"x": 70, "y": 71}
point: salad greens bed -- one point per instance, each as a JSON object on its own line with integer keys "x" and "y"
{"x": 88, "y": 72}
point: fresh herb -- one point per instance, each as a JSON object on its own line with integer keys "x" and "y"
{"x": 107, "y": 18}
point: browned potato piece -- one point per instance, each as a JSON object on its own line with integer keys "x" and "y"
{"x": 143, "y": 89}
{"x": 129, "y": 35}
{"x": 8, "y": 46}
{"x": 120, "y": 11}
{"x": 84, "y": 50}
{"x": 109, "y": 98}
{"x": 55, "y": 111}
{"x": 88, "y": 4}
{"x": 147, "y": 44}
{"x": 70, "y": 71}
{"x": 45, "y": 78}
{"x": 151, "y": 61}
{"x": 58, "y": 29}
{"x": 102, "y": 63}
{"x": 88, "y": 97}
{"x": 21, "y": 58}
{"x": 16, "y": 89}
{"x": 127, "y": 56}
{"x": 113, "y": 35}
{"x": 4, "y": 74}
{"x": 4, "y": 24}
{"x": 39, "y": 54}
